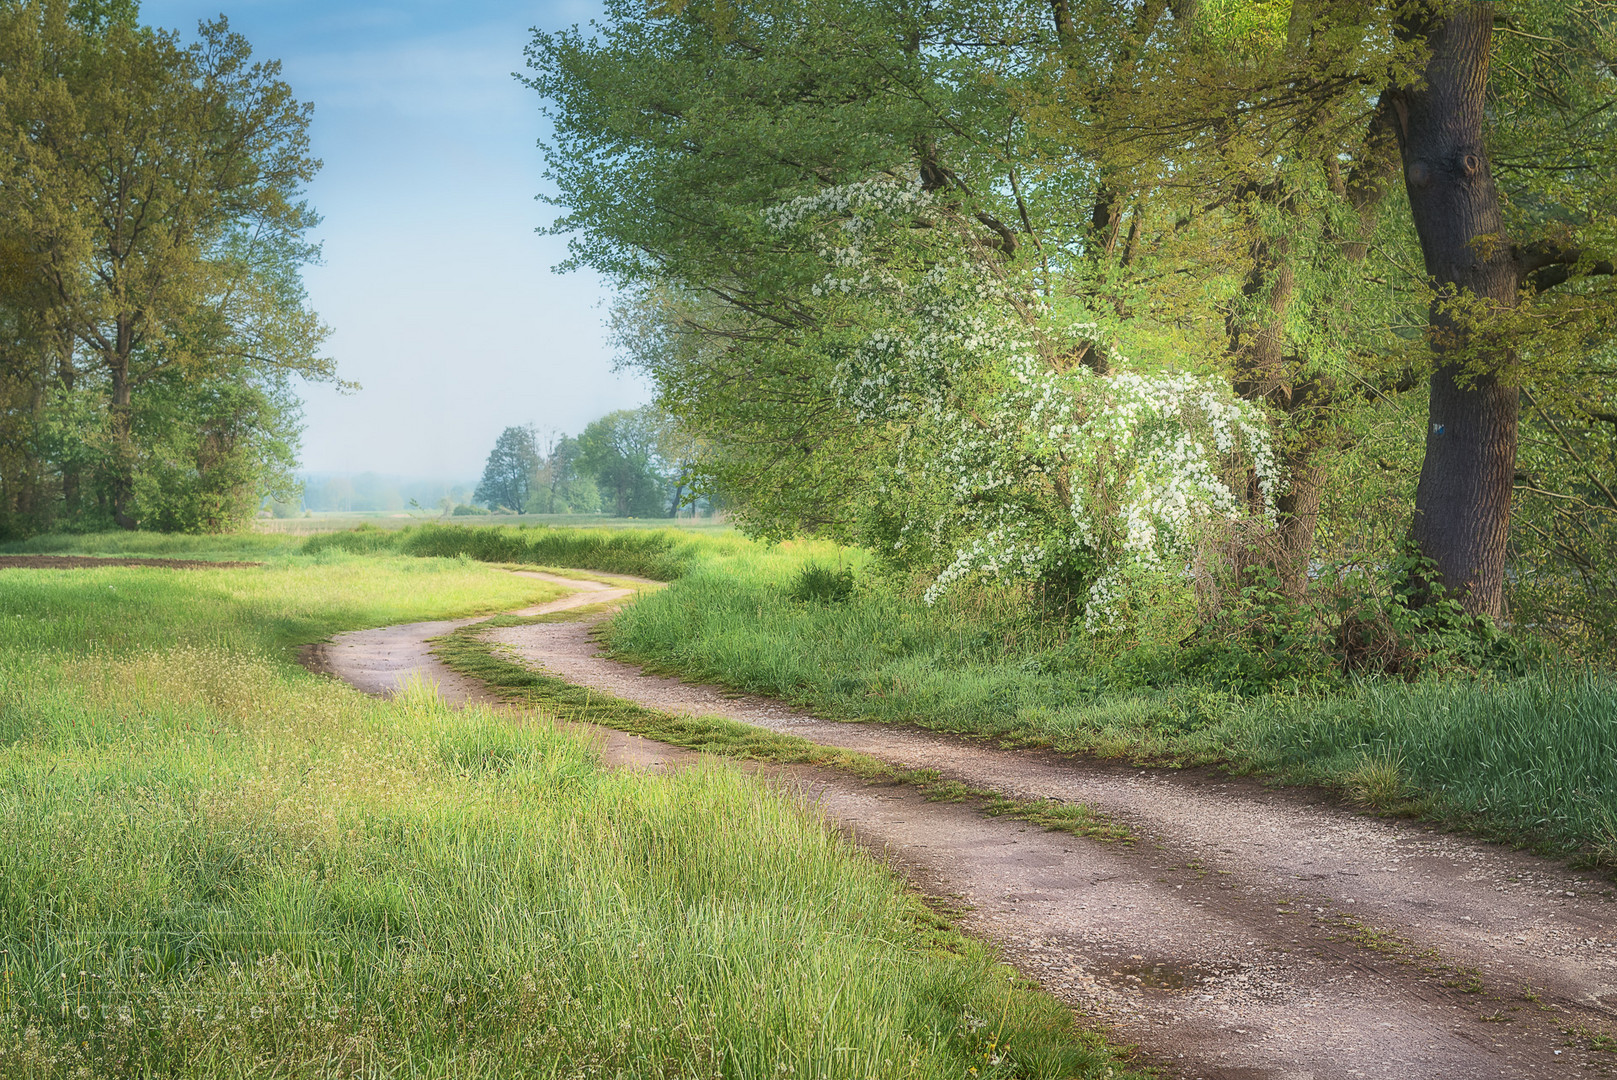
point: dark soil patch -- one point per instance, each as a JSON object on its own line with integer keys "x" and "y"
{"x": 80, "y": 562}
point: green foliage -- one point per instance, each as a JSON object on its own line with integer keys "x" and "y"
{"x": 508, "y": 476}
{"x": 562, "y": 486}
{"x": 1564, "y": 525}
{"x": 816, "y": 583}
{"x": 625, "y": 453}
{"x": 1076, "y": 171}
{"x": 152, "y": 312}
{"x": 211, "y": 451}
{"x": 1396, "y": 621}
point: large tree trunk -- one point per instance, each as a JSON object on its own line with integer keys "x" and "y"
{"x": 1462, "y": 506}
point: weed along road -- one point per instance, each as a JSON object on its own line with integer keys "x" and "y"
{"x": 1242, "y": 932}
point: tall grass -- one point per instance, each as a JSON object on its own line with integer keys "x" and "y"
{"x": 102, "y": 610}
{"x": 213, "y": 863}
{"x": 1531, "y": 758}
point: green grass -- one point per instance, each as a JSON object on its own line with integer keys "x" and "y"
{"x": 215, "y": 864}
{"x": 1531, "y": 759}
{"x": 108, "y": 611}
{"x": 244, "y": 547}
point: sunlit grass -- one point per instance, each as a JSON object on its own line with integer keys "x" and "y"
{"x": 291, "y": 600}
{"x": 213, "y": 863}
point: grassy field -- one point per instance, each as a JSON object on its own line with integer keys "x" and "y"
{"x": 214, "y": 863}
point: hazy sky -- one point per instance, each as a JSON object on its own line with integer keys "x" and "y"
{"x": 440, "y": 294}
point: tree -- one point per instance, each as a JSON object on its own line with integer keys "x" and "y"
{"x": 509, "y": 474}
{"x": 156, "y": 190}
{"x": 561, "y": 486}
{"x": 1462, "y": 506}
{"x": 622, "y": 451}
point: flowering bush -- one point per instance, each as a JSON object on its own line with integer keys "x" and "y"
{"x": 1046, "y": 471}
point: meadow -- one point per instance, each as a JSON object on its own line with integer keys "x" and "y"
{"x": 213, "y": 863}
{"x": 336, "y": 520}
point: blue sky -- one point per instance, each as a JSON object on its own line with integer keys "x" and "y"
{"x": 439, "y": 291}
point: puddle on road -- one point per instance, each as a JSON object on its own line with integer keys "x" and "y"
{"x": 1162, "y": 975}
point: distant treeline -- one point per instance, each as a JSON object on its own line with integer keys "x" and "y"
{"x": 629, "y": 463}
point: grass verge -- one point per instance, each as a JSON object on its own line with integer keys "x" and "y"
{"x": 662, "y": 554}
{"x": 215, "y": 864}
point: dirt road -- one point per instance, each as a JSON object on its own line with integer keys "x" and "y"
{"x": 1247, "y": 933}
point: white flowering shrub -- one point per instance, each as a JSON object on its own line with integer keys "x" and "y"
{"x": 1048, "y": 473}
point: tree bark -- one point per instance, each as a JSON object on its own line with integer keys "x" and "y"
{"x": 1462, "y": 505}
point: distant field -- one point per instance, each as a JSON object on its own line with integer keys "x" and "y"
{"x": 334, "y": 522}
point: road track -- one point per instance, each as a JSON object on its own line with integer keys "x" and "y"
{"x": 1247, "y": 933}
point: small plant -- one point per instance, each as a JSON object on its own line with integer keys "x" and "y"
{"x": 817, "y": 583}
{"x": 1604, "y": 839}
{"x": 1378, "y": 783}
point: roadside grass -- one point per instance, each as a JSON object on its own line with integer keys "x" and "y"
{"x": 290, "y": 601}
{"x": 1529, "y": 759}
{"x": 213, "y": 863}
{"x": 244, "y": 547}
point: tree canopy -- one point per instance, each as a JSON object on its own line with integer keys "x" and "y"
{"x": 513, "y": 465}
{"x": 153, "y": 313}
{"x": 1086, "y": 291}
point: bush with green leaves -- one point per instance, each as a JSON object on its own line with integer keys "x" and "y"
{"x": 817, "y": 583}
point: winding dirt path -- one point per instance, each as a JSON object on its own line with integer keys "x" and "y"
{"x": 385, "y": 660}
{"x": 1249, "y": 933}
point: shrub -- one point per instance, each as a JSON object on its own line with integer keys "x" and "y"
{"x": 817, "y": 583}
